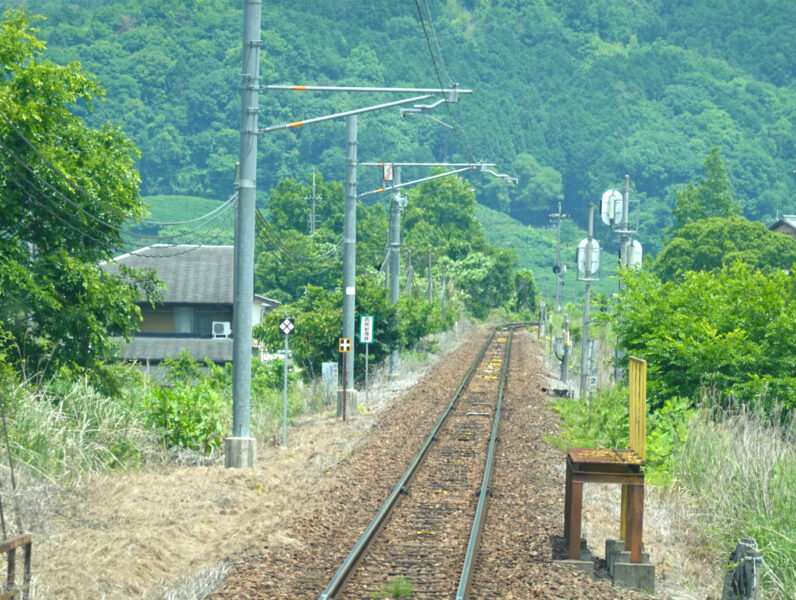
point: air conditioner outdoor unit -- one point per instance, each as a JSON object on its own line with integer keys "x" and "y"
{"x": 221, "y": 329}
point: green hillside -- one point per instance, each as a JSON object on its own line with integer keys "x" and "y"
{"x": 568, "y": 96}
{"x": 536, "y": 250}
{"x": 185, "y": 220}
{"x": 178, "y": 208}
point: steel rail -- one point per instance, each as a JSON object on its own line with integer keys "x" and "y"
{"x": 338, "y": 581}
{"x": 463, "y": 592}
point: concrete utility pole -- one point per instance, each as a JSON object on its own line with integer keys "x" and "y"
{"x": 557, "y": 269}
{"x": 624, "y": 254}
{"x": 395, "y": 257}
{"x": 585, "y": 362}
{"x": 313, "y": 199}
{"x": 240, "y": 450}
{"x": 624, "y": 232}
{"x": 565, "y": 359}
{"x": 349, "y": 219}
{"x": 349, "y": 263}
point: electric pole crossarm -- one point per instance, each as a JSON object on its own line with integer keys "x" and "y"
{"x": 408, "y": 183}
{"x": 348, "y": 113}
{"x": 334, "y": 88}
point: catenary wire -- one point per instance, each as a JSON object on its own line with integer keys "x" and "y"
{"x": 105, "y": 206}
{"x": 463, "y": 143}
{"x": 101, "y": 221}
{"x": 269, "y": 230}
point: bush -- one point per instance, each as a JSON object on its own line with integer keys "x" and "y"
{"x": 191, "y": 416}
{"x": 194, "y": 409}
{"x": 601, "y": 424}
{"x": 726, "y": 331}
{"x": 604, "y": 424}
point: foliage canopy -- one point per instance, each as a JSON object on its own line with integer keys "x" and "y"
{"x": 713, "y": 243}
{"x": 726, "y": 332}
{"x": 66, "y": 190}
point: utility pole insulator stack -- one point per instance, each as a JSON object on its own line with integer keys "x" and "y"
{"x": 558, "y": 269}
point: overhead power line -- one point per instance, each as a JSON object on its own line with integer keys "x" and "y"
{"x": 203, "y": 220}
{"x": 89, "y": 220}
{"x": 459, "y": 131}
{"x": 287, "y": 252}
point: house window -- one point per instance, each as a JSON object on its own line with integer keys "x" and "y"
{"x": 183, "y": 319}
{"x": 203, "y": 322}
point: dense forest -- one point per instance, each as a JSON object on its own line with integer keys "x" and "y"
{"x": 567, "y": 97}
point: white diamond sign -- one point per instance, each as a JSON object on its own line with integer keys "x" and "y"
{"x": 287, "y": 326}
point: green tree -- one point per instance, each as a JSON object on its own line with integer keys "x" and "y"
{"x": 65, "y": 191}
{"x": 484, "y": 280}
{"x": 710, "y": 244}
{"x": 538, "y": 190}
{"x": 525, "y": 292}
{"x": 318, "y": 315}
{"x": 723, "y": 333}
{"x": 440, "y": 216}
{"x": 290, "y": 207}
{"x": 287, "y": 261}
{"x": 711, "y": 197}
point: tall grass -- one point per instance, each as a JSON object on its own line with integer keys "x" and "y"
{"x": 267, "y": 407}
{"x": 76, "y": 432}
{"x": 740, "y": 470}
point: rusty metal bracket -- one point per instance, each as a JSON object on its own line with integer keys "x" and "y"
{"x": 601, "y": 465}
{"x": 9, "y": 547}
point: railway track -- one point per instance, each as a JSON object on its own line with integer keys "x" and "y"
{"x": 427, "y": 531}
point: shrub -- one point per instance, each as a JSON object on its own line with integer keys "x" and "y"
{"x": 190, "y": 416}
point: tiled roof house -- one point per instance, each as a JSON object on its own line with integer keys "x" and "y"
{"x": 197, "y": 308}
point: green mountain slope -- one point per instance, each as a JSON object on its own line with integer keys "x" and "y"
{"x": 536, "y": 250}
{"x": 569, "y": 96}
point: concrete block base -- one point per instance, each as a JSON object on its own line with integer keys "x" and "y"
{"x": 351, "y": 404}
{"x": 587, "y": 566}
{"x": 240, "y": 453}
{"x": 635, "y": 576}
{"x": 613, "y": 547}
{"x": 624, "y": 557}
{"x": 561, "y": 551}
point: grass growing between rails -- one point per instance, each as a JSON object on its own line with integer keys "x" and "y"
{"x": 735, "y": 470}
{"x": 397, "y": 587}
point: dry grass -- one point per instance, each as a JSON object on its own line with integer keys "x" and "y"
{"x": 67, "y": 436}
{"x": 737, "y": 474}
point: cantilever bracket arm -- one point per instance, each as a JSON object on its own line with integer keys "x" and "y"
{"x": 347, "y": 113}
{"x": 408, "y": 183}
{"x": 452, "y": 94}
{"x": 505, "y": 176}
{"x": 405, "y": 112}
